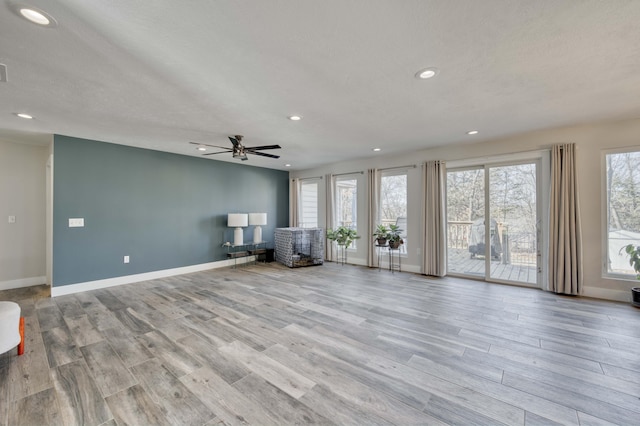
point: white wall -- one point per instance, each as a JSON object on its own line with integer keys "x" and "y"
{"x": 22, "y": 194}
{"x": 592, "y": 141}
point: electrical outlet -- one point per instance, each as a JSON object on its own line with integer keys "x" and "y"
{"x": 12, "y": 219}
{"x": 126, "y": 259}
{"x": 76, "y": 222}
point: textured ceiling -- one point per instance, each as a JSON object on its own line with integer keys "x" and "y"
{"x": 160, "y": 74}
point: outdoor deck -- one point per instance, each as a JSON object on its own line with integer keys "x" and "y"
{"x": 460, "y": 262}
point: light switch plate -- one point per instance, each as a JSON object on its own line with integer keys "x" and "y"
{"x": 76, "y": 222}
{"x": 12, "y": 219}
{"x": 126, "y": 259}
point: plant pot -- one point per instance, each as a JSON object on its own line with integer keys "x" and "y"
{"x": 635, "y": 297}
{"x": 381, "y": 241}
{"x": 394, "y": 244}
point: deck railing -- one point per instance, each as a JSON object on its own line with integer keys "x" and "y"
{"x": 517, "y": 248}
{"x": 458, "y": 233}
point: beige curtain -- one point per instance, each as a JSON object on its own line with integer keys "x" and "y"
{"x": 329, "y": 214}
{"x": 293, "y": 203}
{"x": 434, "y": 261}
{"x": 565, "y": 239}
{"x": 373, "y": 200}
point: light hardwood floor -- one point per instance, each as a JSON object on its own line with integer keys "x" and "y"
{"x": 331, "y": 344}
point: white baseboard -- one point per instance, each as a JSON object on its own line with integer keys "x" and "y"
{"x": 22, "y": 282}
{"x": 130, "y": 279}
{"x": 607, "y": 294}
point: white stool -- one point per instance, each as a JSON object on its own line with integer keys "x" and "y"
{"x": 11, "y": 327}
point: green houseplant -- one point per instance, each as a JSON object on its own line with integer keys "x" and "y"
{"x": 342, "y": 235}
{"x": 634, "y": 261}
{"x": 393, "y": 237}
{"x": 380, "y": 234}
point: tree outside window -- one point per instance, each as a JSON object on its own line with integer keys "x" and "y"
{"x": 393, "y": 202}
{"x": 346, "y": 193}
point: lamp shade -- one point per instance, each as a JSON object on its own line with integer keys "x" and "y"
{"x": 257, "y": 219}
{"x": 235, "y": 220}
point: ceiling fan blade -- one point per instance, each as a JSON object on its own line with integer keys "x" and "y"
{"x": 234, "y": 141}
{"x": 262, "y": 154}
{"x": 263, "y": 147}
{"x": 219, "y": 152}
{"x": 213, "y": 146}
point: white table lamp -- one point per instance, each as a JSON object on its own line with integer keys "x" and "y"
{"x": 237, "y": 220}
{"x": 257, "y": 219}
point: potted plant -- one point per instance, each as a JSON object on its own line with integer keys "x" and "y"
{"x": 342, "y": 235}
{"x": 393, "y": 236}
{"x": 634, "y": 261}
{"x": 381, "y": 234}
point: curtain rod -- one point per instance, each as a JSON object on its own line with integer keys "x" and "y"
{"x": 473, "y": 161}
{"x": 350, "y": 173}
{"x": 410, "y": 166}
{"x": 307, "y": 178}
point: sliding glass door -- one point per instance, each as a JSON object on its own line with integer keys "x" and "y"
{"x": 465, "y": 222}
{"x": 503, "y": 248}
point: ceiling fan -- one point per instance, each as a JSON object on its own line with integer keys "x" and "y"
{"x": 240, "y": 151}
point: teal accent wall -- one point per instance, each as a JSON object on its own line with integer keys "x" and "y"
{"x": 163, "y": 210}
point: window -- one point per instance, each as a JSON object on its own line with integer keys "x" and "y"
{"x": 623, "y": 210}
{"x": 308, "y": 204}
{"x": 393, "y": 202}
{"x": 346, "y": 194}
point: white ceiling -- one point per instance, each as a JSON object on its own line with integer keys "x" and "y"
{"x": 160, "y": 74}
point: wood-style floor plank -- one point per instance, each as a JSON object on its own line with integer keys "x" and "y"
{"x": 83, "y": 332}
{"x": 181, "y": 405}
{"x": 80, "y": 399}
{"x": 172, "y": 355}
{"x": 281, "y": 405}
{"x": 133, "y": 406}
{"x": 279, "y": 375}
{"x": 110, "y": 374}
{"x": 332, "y": 344}
{"x": 229, "y": 404}
{"x": 375, "y": 403}
{"x": 37, "y": 409}
{"x": 29, "y": 373}
{"x": 60, "y": 346}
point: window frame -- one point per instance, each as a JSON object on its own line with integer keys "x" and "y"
{"x": 337, "y": 206}
{"x": 543, "y": 159}
{"x": 301, "y": 182}
{"x": 604, "y": 226}
{"x": 390, "y": 173}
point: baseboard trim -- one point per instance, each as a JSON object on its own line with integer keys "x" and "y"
{"x": 22, "y": 282}
{"x": 130, "y": 279}
{"x": 607, "y": 294}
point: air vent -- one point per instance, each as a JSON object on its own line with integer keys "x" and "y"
{"x": 3, "y": 73}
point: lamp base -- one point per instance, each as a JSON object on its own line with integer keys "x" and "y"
{"x": 238, "y": 238}
{"x": 257, "y": 234}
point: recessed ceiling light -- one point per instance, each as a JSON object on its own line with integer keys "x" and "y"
{"x": 376, "y": 149}
{"x": 23, "y": 115}
{"x": 295, "y": 117}
{"x": 472, "y": 132}
{"x": 427, "y": 73}
{"x": 287, "y": 165}
{"x": 201, "y": 148}
{"x": 37, "y": 16}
